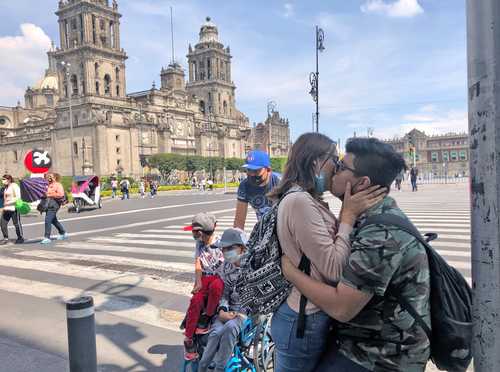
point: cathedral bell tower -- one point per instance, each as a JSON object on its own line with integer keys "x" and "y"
{"x": 210, "y": 73}
{"x": 90, "y": 60}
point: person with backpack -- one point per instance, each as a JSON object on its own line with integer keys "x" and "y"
{"x": 125, "y": 188}
{"x": 413, "y": 178}
{"x": 11, "y": 194}
{"x": 114, "y": 187}
{"x": 387, "y": 265}
{"x": 208, "y": 287}
{"x": 312, "y": 237}
{"x": 55, "y": 197}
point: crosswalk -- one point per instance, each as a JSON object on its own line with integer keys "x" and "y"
{"x": 161, "y": 259}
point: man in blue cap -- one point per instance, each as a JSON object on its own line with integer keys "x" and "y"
{"x": 254, "y": 189}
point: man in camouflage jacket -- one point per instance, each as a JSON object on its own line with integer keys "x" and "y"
{"x": 374, "y": 333}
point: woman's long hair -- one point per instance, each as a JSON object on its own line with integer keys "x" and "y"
{"x": 300, "y": 167}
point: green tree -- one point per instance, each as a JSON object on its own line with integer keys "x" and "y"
{"x": 278, "y": 164}
{"x": 167, "y": 163}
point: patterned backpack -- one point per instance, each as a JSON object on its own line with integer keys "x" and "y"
{"x": 261, "y": 286}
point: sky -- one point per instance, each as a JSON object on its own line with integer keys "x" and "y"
{"x": 388, "y": 65}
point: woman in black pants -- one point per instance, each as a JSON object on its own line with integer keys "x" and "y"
{"x": 11, "y": 194}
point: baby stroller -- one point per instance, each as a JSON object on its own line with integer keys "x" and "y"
{"x": 254, "y": 351}
{"x": 86, "y": 191}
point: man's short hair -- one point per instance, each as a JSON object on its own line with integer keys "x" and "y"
{"x": 375, "y": 159}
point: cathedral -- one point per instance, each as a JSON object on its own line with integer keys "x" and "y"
{"x": 81, "y": 113}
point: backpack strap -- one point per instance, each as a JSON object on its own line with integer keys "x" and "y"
{"x": 407, "y": 226}
{"x": 305, "y": 267}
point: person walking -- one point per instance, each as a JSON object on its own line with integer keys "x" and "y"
{"x": 114, "y": 187}
{"x": 253, "y": 190}
{"x": 413, "y": 178}
{"x": 11, "y": 195}
{"x": 399, "y": 179}
{"x": 142, "y": 188}
{"x": 125, "y": 186}
{"x": 374, "y": 333}
{"x": 316, "y": 236}
{"x": 55, "y": 198}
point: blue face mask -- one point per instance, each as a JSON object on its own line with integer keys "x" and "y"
{"x": 232, "y": 256}
{"x": 320, "y": 183}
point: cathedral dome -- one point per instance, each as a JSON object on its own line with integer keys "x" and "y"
{"x": 48, "y": 82}
{"x": 209, "y": 32}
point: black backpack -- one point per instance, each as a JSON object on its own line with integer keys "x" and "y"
{"x": 450, "y": 302}
{"x": 261, "y": 286}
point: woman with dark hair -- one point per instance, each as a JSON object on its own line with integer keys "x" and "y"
{"x": 307, "y": 228}
{"x": 11, "y": 195}
{"x": 56, "y": 197}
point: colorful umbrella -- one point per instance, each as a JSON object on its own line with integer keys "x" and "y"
{"x": 33, "y": 189}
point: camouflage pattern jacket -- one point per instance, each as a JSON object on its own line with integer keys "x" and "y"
{"x": 383, "y": 336}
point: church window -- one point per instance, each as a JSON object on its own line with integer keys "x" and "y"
{"x": 101, "y": 24}
{"x": 202, "y": 106}
{"x": 103, "y": 40}
{"x": 50, "y": 100}
{"x": 29, "y": 102}
{"x": 209, "y": 69}
{"x": 81, "y": 28}
{"x": 224, "y": 108}
{"x": 66, "y": 34}
{"x": 108, "y": 115}
{"x": 66, "y": 90}
{"x": 97, "y": 88}
{"x": 15, "y": 156}
{"x": 74, "y": 85}
{"x": 73, "y": 24}
{"x": 209, "y": 97}
{"x": 107, "y": 84}
{"x": 75, "y": 120}
{"x": 112, "y": 33}
{"x": 96, "y": 70}
{"x": 118, "y": 162}
{"x": 94, "y": 39}
{"x": 117, "y": 90}
{"x": 117, "y": 74}
{"x": 75, "y": 148}
{"x": 117, "y": 138}
{"x": 118, "y": 151}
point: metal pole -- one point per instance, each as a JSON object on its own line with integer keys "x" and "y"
{"x": 317, "y": 79}
{"x": 483, "y": 59}
{"x": 71, "y": 131}
{"x": 81, "y": 335}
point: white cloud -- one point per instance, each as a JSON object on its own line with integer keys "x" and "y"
{"x": 399, "y": 8}
{"x": 23, "y": 60}
{"x": 289, "y": 10}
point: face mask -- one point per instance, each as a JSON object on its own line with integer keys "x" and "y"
{"x": 256, "y": 180}
{"x": 232, "y": 256}
{"x": 320, "y": 182}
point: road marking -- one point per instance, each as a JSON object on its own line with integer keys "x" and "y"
{"x": 452, "y": 253}
{"x": 107, "y": 276}
{"x": 158, "y": 236}
{"x": 122, "y": 248}
{"x": 135, "y": 224}
{"x": 133, "y": 211}
{"x": 117, "y": 305}
{"x": 441, "y": 224}
{"x": 465, "y": 231}
{"x": 439, "y": 243}
{"x": 179, "y": 267}
{"x": 142, "y": 241}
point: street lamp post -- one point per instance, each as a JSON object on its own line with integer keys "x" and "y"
{"x": 66, "y": 67}
{"x": 314, "y": 76}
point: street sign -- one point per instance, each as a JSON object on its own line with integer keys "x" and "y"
{"x": 37, "y": 161}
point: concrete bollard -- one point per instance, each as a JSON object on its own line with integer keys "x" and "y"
{"x": 81, "y": 334}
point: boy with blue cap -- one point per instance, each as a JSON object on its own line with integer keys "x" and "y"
{"x": 227, "y": 326}
{"x": 254, "y": 189}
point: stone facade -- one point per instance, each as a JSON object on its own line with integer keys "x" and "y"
{"x": 273, "y": 136}
{"x": 435, "y": 156}
{"x": 113, "y": 132}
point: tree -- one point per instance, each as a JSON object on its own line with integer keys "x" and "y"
{"x": 278, "y": 164}
{"x": 167, "y": 163}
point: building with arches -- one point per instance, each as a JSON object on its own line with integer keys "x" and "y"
{"x": 114, "y": 131}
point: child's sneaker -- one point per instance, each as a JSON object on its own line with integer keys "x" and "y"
{"x": 203, "y": 324}
{"x": 190, "y": 352}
